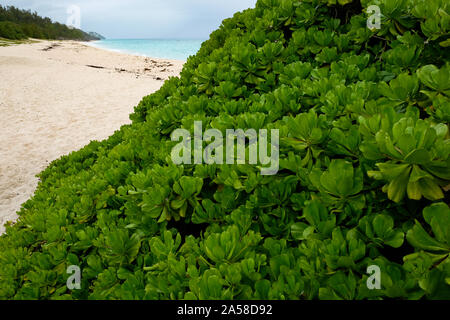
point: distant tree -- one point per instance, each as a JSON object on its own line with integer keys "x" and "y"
{"x": 11, "y": 30}
{"x": 19, "y": 24}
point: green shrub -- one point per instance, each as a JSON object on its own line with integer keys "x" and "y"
{"x": 364, "y": 170}
{"x": 21, "y": 24}
{"x": 10, "y": 30}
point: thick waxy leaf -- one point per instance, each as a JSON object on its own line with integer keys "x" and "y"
{"x": 437, "y": 216}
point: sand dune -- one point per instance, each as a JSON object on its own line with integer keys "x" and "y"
{"x": 55, "y": 97}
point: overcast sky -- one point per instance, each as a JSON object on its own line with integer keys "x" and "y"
{"x": 138, "y": 19}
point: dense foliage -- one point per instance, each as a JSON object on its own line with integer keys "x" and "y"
{"x": 19, "y": 24}
{"x": 10, "y": 30}
{"x": 364, "y": 170}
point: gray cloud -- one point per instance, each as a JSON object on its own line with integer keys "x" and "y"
{"x": 194, "y": 19}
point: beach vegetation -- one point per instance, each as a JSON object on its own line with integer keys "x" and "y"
{"x": 364, "y": 170}
{"x": 11, "y": 31}
{"x": 19, "y": 24}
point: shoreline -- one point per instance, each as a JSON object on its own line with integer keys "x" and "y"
{"x": 150, "y": 48}
{"x": 89, "y": 43}
{"x": 56, "y": 97}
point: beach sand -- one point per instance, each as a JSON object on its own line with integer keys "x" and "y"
{"x": 56, "y": 97}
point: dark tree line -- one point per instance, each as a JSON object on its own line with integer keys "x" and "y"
{"x": 21, "y": 24}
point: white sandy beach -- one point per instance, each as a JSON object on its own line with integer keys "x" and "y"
{"x": 56, "y": 97}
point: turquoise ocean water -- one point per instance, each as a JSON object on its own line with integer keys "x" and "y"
{"x": 155, "y": 48}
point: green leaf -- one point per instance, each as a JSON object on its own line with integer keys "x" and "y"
{"x": 437, "y": 215}
{"x": 397, "y": 187}
{"x": 436, "y": 79}
{"x": 418, "y": 156}
{"x": 419, "y": 238}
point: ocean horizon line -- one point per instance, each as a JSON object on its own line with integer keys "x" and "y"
{"x": 175, "y": 49}
{"x": 169, "y": 39}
